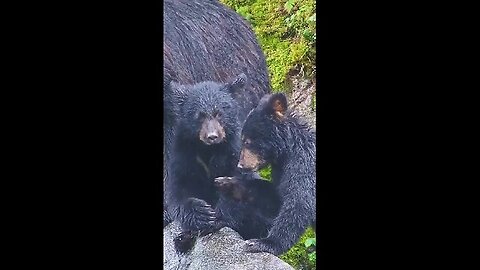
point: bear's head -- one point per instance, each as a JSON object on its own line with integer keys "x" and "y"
{"x": 260, "y": 136}
{"x": 208, "y": 112}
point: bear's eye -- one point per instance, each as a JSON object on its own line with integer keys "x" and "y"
{"x": 199, "y": 115}
{"x": 247, "y": 141}
{"x": 217, "y": 114}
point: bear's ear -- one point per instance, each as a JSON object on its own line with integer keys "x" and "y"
{"x": 277, "y": 105}
{"x": 237, "y": 85}
{"x": 179, "y": 92}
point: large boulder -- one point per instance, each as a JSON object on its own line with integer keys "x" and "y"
{"x": 222, "y": 250}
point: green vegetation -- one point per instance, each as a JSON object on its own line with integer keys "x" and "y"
{"x": 302, "y": 255}
{"x": 266, "y": 173}
{"x": 286, "y": 31}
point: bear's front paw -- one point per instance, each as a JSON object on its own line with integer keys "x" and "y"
{"x": 185, "y": 241}
{"x": 199, "y": 215}
{"x": 260, "y": 245}
{"x": 225, "y": 182}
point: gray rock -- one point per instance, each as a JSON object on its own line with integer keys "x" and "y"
{"x": 300, "y": 99}
{"x": 222, "y": 250}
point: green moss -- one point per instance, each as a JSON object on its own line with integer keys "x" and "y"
{"x": 286, "y": 33}
{"x": 299, "y": 256}
{"x": 314, "y": 102}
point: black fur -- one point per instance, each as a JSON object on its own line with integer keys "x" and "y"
{"x": 280, "y": 139}
{"x": 185, "y": 241}
{"x": 247, "y": 204}
{"x": 190, "y": 193}
{"x": 206, "y": 41}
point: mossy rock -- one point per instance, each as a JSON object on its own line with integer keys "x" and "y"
{"x": 286, "y": 32}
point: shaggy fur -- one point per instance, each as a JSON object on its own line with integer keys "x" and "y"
{"x": 272, "y": 135}
{"x": 190, "y": 193}
{"x": 205, "y": 41}
{"x": 248, "y": 204}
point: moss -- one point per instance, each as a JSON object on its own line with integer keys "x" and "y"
{"x": 299, "y": 256}
{"x": 314, "y": 103}
{"x": 286, "y": 33}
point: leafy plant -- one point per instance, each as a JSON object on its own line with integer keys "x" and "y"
{"x": 289, "y": 5}
{"x": 311, "y": 244}
{"x": 301, "y": 256}
{"x": 266, "y": 173}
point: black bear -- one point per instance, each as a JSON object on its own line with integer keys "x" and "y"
{"x": 203, "y": 40}
{"x": 272, "y": 135}
{"x": 206, "y": 145}
{"x": 247, "y": 204}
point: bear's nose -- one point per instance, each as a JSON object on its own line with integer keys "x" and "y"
{"x": 212, "y": 137}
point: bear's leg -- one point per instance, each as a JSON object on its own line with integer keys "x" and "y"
{"x": 287, "y": 228}
{"x": 196, "y": 214}
{"x": 185, "y": 241}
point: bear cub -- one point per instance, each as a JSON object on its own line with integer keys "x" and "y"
{"x": 273, "y": 135}
{"x": 206, "y": 145}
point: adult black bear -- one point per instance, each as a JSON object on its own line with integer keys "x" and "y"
{"x": 205, "y": 41}
{"x": 272, "y": 135}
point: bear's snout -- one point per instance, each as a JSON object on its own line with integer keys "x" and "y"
{"x": 212, "y": 132}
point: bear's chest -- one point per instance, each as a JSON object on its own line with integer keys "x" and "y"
{"x": 215, "y": 165}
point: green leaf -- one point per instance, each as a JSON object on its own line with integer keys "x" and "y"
{"x": 307, "y": 33}
{"x": 310, "y": 241}
{"x": 289, "y": 5}
{"x": 266, "y": 173}
{"x": 312, "y": 256}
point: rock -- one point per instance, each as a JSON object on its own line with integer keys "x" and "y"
{"x": 301, "y": 97}
{"x": 222, "y": 250}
